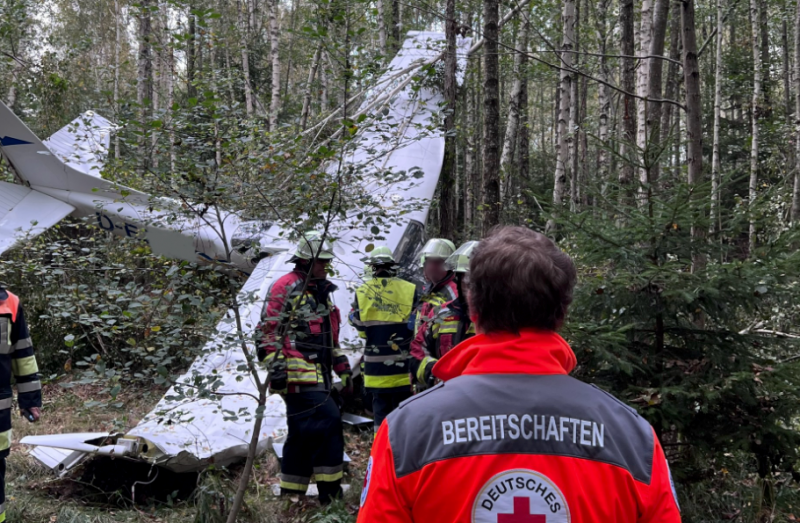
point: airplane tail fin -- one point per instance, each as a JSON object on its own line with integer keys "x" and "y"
{"x": 35, "y": 164}
{"x": 83, "y": 143}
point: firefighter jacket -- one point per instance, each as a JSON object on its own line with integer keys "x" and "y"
{"x": 302, "y": 329}
{"x": 509, "y": 437}
{"x": 381, "y": 313}
{"x": 435, "y": 295}
{"x": 16, "y": 357}
{"x": 449, "y": 327}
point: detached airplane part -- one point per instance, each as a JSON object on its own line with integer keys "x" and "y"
{"x": 183, "y": 432}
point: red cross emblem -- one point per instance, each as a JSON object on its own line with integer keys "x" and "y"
{"x": 522, "y": 513}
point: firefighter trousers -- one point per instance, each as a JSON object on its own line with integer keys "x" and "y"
{"x": 383, "y": 403}
{"x": 314, "y": 445}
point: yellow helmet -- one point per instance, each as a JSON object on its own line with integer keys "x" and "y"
{"x": 459, "y": 260}
{"x": 311, "y": 246}
{"x": 436, "y": 248}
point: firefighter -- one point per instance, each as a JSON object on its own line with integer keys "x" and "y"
{"x": 299, "y": 343}
{"x": 381, "y": 313}
{"x": 17, "y": 358}
{"x": 508, "y": 435}
{"x": 451, "y": 324}
{"x": 440, "y": 286}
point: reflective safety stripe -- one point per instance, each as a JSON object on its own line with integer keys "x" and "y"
{"x": 387, "y": 382}
{"x": 294, "y": 486}
{"x": 29, "y": 387}
{"x": 23, "y": 344}
{"x": 421, "y": 370}
{"x": 5, "y": 403}
{"x": 329, "y": 477}
{"x": 5, "y": 336}
{"x": 2, "y": 513}
{"x": 24, "y": 366}
{"x": 388, "y": 357}
{"x": 328, "y": 470}
{"x": 5, "y": 440}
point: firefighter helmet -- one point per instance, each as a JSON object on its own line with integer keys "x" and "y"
{"x": 311, "y": 246}
{"x": 380, "y": 256}
{"x": 436, "y": 248}
{"x": 459, "y": 260}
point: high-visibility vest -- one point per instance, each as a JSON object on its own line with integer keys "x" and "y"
{"x": 381, "y": 314}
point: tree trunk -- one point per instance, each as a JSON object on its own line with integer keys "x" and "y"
{"x": 796, "y": 187}
{"x": 756, "y": 110}
{"x": 654, "y": 110}
{"x": 766, "y": 82}
{"x": 381, "y": 27}
{"x": 523, "y": 148}
{"x": 144, "y": 82}
{"x": 491, "y": 117}
{"x": 309, "y": 87}
{"x": 274, "y": 38}
{"x": 396, "y": 40}
{"x": 117, "y": 45}
{"x": 470, "y": 160}
{"x": 671, "y": 92}
{"x": 243, "y": 40}
{"x": 694, "y": 125}
{"x": 191, "y": 45}
{"x": 447, "y": 213}
{"x": 645, "y": 34}
{"x": 628, "y": 85}
{"x": 715, "y": 160}
{"x": 514, "y": 112}
{"x": 604, "y": 99}
{"x": 562, "y": 148}
{"x": 787, "y": 74}
{"x": 574, "y": 116}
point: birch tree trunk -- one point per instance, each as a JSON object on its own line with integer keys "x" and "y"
{"x": 244, "y": 33}
{"x": 628, "y": 85}
{"x": 715, "y": 161}
{"x": 381, "y": 27}
{"x": 117, "y": 45}
{"x": 514, "y": 112}
{"x": 562, "y": 147}
{"x": 274, "y": 37}
{"x": 796, "y": 187}
{"x": 491, "y": 116}
{"x": 447, "y": 212}
{"x": 756, "y": 110}
{"x": 645, "y": 34}
{"x": 787, "y": 74}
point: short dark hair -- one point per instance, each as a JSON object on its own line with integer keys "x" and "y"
{"x": 519, "y": 278}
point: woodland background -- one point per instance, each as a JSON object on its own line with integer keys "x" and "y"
{"x": 657, "y": 141}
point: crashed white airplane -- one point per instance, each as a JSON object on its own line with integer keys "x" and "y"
{"x": 62, "y": 178}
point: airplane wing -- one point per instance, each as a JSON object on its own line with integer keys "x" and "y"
{"x": 184, "y": 432}
{"x": 83, "y": 143}
{"x": 25, "y": 213}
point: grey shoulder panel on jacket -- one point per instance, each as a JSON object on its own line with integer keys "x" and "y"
{"x": 519, "y": 414}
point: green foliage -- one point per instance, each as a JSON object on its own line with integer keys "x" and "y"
{"x": 678, "y": 325}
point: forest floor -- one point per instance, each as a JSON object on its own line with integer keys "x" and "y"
{"x": 98, "y": 491}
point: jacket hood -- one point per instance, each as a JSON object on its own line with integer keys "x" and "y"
{"x": 530, "y": 352}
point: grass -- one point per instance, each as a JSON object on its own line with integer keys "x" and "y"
{"x": 34, "y": 494}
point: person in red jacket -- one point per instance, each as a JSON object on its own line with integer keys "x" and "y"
{"x": 508, "y": 436}
{"x": 299, "y": 343}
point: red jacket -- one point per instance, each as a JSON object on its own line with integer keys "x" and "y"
{"x": 311, "y": 344}
{"x": 510, "y": 438}
{"x": 434, "y": 297}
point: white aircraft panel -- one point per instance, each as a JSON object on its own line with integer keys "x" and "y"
{"x": 26, "y": 213}
{"x": 83, "y": 143}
